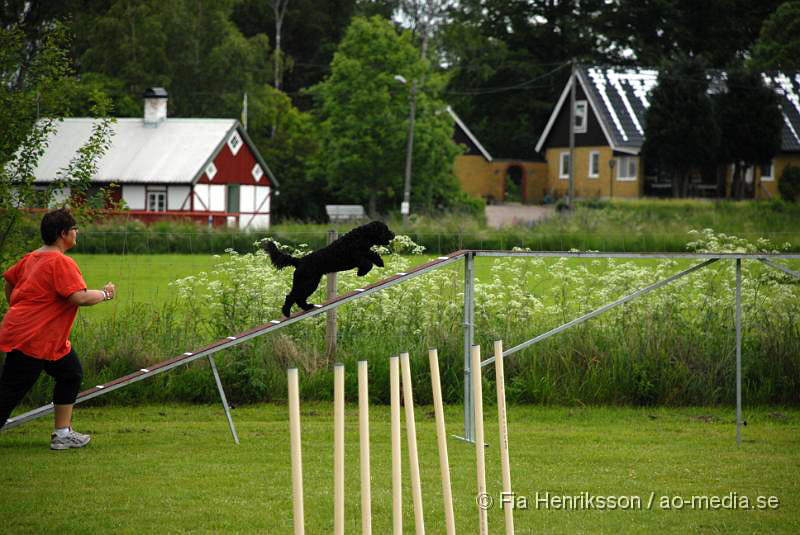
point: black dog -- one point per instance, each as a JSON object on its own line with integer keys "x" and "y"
{"x": 350, "y": 251}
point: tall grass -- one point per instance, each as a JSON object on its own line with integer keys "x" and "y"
{"x": 674, "y": 346}
{"x": 619, "y": 225}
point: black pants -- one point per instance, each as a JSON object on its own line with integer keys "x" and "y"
{"x": 21, "y": 372}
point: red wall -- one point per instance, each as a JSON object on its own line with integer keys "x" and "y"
{"x": 235, "y": 169}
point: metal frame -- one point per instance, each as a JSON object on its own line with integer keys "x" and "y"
{"x": 469, "y": 323}
{"x": 709, "y": 259}
{"x": 469, "y": 337}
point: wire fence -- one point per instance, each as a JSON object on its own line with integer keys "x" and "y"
{"x": 154, "y": 242}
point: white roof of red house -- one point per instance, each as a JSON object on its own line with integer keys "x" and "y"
{"x": 173, "y": 151}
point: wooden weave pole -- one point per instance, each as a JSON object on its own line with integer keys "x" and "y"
{"x": 502, "y": 420}
{"x": 411, "y": 434}
{"x": 297, "y": 461}
{"x": 441, "y": 437}
{"x": 363, "y": 432}
{"x": 338, "y": 449}
{"x": 397, "y": 459}
{"x": 480, "y": 462}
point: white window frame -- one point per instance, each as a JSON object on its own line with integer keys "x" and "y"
{"x": 563, "y": 170}
{"x": 235, "y": 142}
{"x": 594, "y": 157}
{"x": 580, "y": 128}
{"x": 157, "y": 198}
{"x": 623, "y": 168}
{"x": 257, "y": 172}
{"x": 771, "y": 176}
{"x": 211, "y": 170}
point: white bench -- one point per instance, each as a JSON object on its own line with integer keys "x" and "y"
{"x": 344, "y": 212}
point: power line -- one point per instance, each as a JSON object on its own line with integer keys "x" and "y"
{"x": 523, "y": 85}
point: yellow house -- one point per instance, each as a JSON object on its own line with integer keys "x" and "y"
{"x": 610, "y": 105}
{"x": 496, "y": 180}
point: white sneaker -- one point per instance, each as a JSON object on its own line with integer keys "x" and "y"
{"x": 70, "y": 440}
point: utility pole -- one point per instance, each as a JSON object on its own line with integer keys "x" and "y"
{"x": 573, "y": 81}
{"x": 244, "y": 112}
{"x": 405, "y": 208}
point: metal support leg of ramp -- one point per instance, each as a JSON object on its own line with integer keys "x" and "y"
{"x": 223, "y": 399}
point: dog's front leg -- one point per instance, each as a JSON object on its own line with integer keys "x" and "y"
{"x": 375, "y": 258}
{"x": 364, "y": 266}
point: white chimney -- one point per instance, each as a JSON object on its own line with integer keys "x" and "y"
{"x": 155, "y": 105}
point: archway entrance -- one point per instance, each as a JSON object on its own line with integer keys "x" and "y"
{"x": 515, "y": 187}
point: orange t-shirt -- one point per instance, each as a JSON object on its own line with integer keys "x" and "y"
{"x": 40, "y": 316}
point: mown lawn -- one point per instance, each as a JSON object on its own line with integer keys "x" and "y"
{"x": 174, "y": 469}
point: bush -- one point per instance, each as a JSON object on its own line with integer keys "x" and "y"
{"x": 789, "y": 184}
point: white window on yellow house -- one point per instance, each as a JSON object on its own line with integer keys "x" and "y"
{"x": 580, "y": 116}
{"x": 768, "y": 171}
{"x": 627, "y": 168}
{"x": 563, "y": 170}
{"x": 594, "y": 164}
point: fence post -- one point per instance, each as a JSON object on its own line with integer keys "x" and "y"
{"x": 330, "y": 327}
{"x": 738, "y": 352}
{"x": 469, "y": 337}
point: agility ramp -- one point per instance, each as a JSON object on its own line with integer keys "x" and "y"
{"x": 231, "y": 341}
{"x": 469, "y": 256}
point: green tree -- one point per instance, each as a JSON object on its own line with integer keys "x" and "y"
{"x": 750, "y": 121}
{"x": 287, "y": 150}
{"x": 647, "y": 32}
{"x": 502, "y": 53}
{"x": 503, "y": 58}
{"x": 190, "y": 47}
{"x": 363, "y": 112}
{"x": 311, "y": 31}
{"x": 778, "y": 45}
{"x": 680, "y": 131}
{"x": 31, "y": 102}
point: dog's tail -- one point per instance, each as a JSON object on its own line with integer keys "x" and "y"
{"x": 280, "y": 259}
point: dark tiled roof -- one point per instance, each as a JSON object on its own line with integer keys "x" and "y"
{"x": 788, "y": 89}
{"x": 620, "y": 98}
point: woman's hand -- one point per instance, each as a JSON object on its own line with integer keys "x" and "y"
{"x": 110, "y": 290}
{"x": 92, "y": 297}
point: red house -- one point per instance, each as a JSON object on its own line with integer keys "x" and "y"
{"x": 202, "y": 169}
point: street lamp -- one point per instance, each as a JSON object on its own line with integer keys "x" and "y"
{"x": 405, "y": 208}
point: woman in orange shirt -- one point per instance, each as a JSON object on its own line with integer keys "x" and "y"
{"x": 44, "y": 290}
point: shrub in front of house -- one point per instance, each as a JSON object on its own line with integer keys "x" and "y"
{"x": 789, "y": 184}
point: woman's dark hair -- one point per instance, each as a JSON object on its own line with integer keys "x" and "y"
{"x": 54, "y": 223}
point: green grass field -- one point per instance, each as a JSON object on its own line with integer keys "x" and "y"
{"x": 174, "y": 469}
{"x": 141, "y": 277}
{"x": 147, "y": 278}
